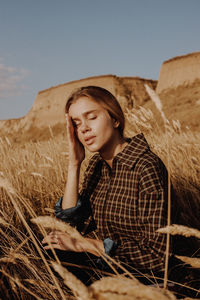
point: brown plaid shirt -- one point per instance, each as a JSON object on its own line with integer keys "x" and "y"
{"x": 128, "y": 204}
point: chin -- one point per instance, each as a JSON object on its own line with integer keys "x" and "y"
{"x": 93, "y": 148}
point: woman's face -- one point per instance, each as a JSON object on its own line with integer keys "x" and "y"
{"x": 93, "y": 125}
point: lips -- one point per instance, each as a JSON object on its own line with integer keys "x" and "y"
{"x": 89, "y": 140}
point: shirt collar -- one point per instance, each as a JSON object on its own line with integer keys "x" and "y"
{"x": 136, "y": 147}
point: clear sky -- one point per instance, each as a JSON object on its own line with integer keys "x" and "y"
{"x": 44, "y": 43}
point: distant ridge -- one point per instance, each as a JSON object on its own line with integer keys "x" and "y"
{"x": 181, "y": 56}
{"x": 180, "y": 70}
{"x": 76, "y": 81}
{"x": 48, "y": 107}
{"x": 92, "y": 77}
{"x": 178, "y": 87}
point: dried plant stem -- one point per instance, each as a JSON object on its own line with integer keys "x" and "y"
{"x": 179, "y": 284}
{"x": 159, "y": 106}
{"x": 78, "y": 288}
{"x": 36, "y": 244}
{"x": 180, "y": 230}
{"x": 109, "y": 259}
{"x": 193, "y": 261}
{"x": 168, "y": 221}
{"x": 21, "y": 285}
{"x": 120, "y": 287}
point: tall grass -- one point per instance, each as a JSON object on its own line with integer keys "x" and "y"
{"x": 32, "y": 178}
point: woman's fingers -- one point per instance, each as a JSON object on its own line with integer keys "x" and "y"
{"x": 70, "y": 128}
{"x": 53, "y": 240}
{"x": 62, "y": 241}
{"x": 54, "y": 246}
{"x": 76, "y": 149}
{"x": 52, "y": 237}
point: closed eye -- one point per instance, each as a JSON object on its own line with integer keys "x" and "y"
{"x": 92, "y": 117}
{"x": 89, "y": 116}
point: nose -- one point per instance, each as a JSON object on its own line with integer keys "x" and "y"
{"x": 84, "y": 126}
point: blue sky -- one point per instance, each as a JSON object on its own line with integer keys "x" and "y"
{"x": 44, "y": 43}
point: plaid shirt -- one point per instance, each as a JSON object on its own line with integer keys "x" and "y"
{"x": 128, "y": 204}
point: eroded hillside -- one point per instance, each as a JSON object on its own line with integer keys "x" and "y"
{"x": 178, "y": 87}
{"x": 47, "y": 114}
{"x": 181, "y": 103}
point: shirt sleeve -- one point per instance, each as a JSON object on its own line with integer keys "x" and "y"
{"x": 147, "y": 248}
{"x": 109, "y": 249}
{"x": 76, "y": 215}
{"x": 68, "y": 214}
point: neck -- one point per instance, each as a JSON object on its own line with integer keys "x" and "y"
{"x": 113, "y": 149}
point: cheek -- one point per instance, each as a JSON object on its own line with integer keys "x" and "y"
{"x": 104, "y": 123}
{"x": 107, "y": 126}
{"x": 78, "y": 135}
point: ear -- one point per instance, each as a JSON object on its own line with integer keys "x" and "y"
{"x": 115, "y": 123}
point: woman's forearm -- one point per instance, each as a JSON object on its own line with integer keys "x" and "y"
{"x": 71, "y": 190}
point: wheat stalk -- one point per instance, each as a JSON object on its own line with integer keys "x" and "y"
{"x": 56, "y": 224}
{"x": 13, "y": 256}
{"x": 158, "y": 104}
{"x": 17, "y": 281}
{"x": 180, "y": 230}
{"x": 79, "y": 290}
{"x": 193, "y": 261}
{"x": 3, "y": 222}
{"x": 120, "y": 287}
{"x": 4, "y": 183}
{"x": 16, "y": 207}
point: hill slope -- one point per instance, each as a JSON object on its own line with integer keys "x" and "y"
{"x": 178, "y": 87}
{"x": 181, "y": 103}
{"x": 47, "y": 113}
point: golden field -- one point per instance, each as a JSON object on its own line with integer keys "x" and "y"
{"x": 32, "y": 178}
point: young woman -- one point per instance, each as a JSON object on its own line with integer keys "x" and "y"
{"x": 124, "y": 192}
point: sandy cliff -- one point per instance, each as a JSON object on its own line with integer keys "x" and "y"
{"x": 178, "y": 87}
{"x": 180, "y": 70}
{"x": 48, "y": 108}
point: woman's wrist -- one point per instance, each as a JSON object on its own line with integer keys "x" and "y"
{"x": 93, "y": 246}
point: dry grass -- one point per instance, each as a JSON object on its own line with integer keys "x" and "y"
{"x": 194, "y": 262}
{"x": 180, "y": 230}
{"x": 32, "y": 178}
{"x": 120, "y": 287}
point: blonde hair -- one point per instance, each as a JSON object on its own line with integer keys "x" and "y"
{"x": 102, "y": 97}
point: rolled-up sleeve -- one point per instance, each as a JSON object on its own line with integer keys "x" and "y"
{"x": 69, "y": 214}
{"x": 76, "y": 215}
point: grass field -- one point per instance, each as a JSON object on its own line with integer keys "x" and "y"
{"x": 32, "y": 178}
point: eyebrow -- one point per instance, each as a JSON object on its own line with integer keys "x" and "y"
{"x": 86, "y": 113}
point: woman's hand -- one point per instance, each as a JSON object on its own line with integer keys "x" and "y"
{"x": 76, "y": 149}
{"x": 62, "y": 241}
